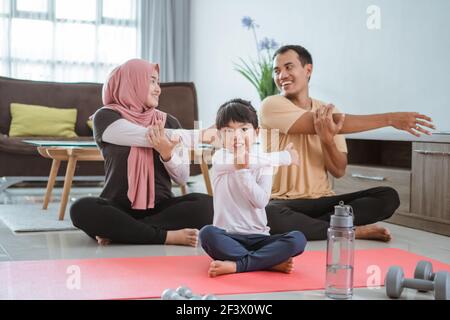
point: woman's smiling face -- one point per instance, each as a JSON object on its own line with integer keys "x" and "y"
{"x": 154, "y": 91}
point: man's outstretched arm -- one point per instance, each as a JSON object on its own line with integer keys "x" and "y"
{"x": 412, "y": 122}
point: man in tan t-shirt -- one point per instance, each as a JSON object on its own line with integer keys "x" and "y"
{"x": 302, "y": 195}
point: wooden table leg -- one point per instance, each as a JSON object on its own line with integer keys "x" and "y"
{"x": 205, "y": 172}
{"x": 51, "y": 182}
{"x": 183, "y": 190}
{"x": 71, "y": 164}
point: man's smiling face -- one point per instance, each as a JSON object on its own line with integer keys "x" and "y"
{"x": 290, "y": 76}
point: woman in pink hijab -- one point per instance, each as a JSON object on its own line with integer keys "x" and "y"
{"x": 137, "y": 205}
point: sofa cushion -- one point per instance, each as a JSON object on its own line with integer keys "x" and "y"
{"x": 32, "y": 120}
{"x": 90, "y": 124}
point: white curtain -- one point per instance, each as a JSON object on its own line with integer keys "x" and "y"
{"x": 66, "y": 40}
{"x": 165, "y": 32}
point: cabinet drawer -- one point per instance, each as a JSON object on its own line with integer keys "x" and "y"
{"x": 359, "y": 178}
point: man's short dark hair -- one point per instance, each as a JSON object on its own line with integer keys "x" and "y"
{"x": 236, "y": 110}
{"x": 303, "y": 55}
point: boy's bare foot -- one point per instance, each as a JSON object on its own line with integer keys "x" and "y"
{"x": 373, "y": 232}
{"x": 285, "y": 267}
{"x": 184, "y": 237}
{"x": 218, "y": 268}
{"x": 103, "y": 241}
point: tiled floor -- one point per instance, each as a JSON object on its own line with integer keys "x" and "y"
{"x": 76, "y": 245}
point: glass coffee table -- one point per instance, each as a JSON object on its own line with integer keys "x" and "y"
{"x": 76, "y": 151}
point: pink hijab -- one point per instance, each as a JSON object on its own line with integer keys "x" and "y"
{"x": 126, "y": 91}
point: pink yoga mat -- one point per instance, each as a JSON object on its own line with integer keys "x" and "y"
{"x": 140, "y": 278}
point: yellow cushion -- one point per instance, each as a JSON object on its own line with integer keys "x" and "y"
{"x": 90, "y": 123}
{"x": 30, "y": 120}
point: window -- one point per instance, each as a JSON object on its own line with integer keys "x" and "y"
{"x": 4, "y": 7}
{"x": 76, "y": 10}
{"x": 40, "y": 6}
{"x": 118, "y": 9}
{"x": 66, "y": 40}
{"x": 4, "y": 30}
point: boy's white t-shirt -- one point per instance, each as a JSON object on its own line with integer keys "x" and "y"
{"x": 240, "y": 196}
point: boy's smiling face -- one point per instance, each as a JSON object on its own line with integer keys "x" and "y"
{"x": 234, "y": 134}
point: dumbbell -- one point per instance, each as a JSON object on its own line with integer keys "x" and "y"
{"x": 395, "y": 282}
{"x": 187, "y": 293}
{"x": 424, "y": 270}
{"x": 170, "y": 294}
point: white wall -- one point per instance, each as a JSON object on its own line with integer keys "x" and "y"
{"x": 404, "y": 66}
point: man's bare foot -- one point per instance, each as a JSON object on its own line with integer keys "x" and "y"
{"x": 184, "y": 237}
{"x": 103, "y": 241}
{"x": 285, "y": 267}
{"x": 218, "y": 268}
{"x": 373, "y": 232}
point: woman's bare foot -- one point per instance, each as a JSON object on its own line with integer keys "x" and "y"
{"x": 103, "y": 241}
{"x": 184, "y": 237}
{"x": 218, "y": 268}
{"x": 285, "y": 267}
{"x": 373, "y": 232}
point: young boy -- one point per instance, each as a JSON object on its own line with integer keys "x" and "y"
{"x": 239, "y": 239}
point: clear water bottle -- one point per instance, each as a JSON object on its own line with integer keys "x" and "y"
{"x": 340, "y": 253}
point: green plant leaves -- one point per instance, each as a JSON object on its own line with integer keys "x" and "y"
{"x": 259, "y": 74}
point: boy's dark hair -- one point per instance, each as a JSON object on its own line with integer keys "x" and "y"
{"x": 303, "y": 55}
{"x": 236, "y": 110}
